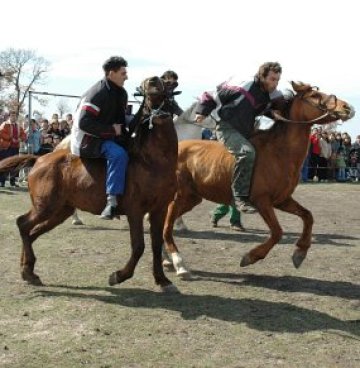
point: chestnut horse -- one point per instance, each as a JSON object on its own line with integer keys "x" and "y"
{"x": 59, "y": 182}
{"x": 205, "y": 170}
{"x": 186, "y": 128}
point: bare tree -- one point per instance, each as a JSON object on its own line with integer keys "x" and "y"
{"x": 62, "y": 107}
{"x": 22, "y": 70}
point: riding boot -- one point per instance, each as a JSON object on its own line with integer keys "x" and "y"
{"x": 109, "y": 211}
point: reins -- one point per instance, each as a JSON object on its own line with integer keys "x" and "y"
{"x": 154, "y": 113}
{"x": 279, "y": 117}
{"x": 150, "y": 117}
{"x": 320, "y": 107}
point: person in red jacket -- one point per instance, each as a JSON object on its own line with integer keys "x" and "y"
{"x": 11, "y": 134}
{"x": 315, "y": 151}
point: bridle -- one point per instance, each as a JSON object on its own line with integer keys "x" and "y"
{"x": 321, "y": 105}
{"x": 152, "y": 113}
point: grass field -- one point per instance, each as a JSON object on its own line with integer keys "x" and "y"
{"x": 266, "y": 315}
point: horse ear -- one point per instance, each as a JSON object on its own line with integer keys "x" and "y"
{"x": 296, "y": 86}
{"x": 300, "y": 86}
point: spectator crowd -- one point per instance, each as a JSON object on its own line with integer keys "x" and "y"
{"x": 332, "y": 156}
{"x": 37, "y": 137}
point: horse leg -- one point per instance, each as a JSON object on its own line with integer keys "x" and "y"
{"x": 175, "y": 209}
{"x": 304, "y": 243}
{"x": 137, "y": 250}
{"x": 267, "y": 212}
{"x": 31, "y": 226}
{"x": 76, "y": 219}
{"x": 157, "y": 219}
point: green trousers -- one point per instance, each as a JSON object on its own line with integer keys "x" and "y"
{"x": 222, "y": 210}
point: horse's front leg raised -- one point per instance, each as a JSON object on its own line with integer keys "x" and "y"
{"x": 304, "y": 243}
{"x": 157, "y": 219}
{"x": 137, "y": 250}
{"x": 267, "y": 212}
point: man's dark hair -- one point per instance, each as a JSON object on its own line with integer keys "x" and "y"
{"x": 170, "y": 74}
{"x": 114, "y": 63}
{"x": 266, "y": 68}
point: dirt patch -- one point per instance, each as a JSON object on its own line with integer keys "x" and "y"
{"x": 268, "y": 314}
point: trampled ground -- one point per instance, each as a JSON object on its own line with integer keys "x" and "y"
{"x": 266, "y": 315}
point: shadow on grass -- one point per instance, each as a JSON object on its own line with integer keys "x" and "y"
{"x": 257, "y": 314}
{"x": 258, "y": 236}
{"x": 13, "y": 190}
{"x": 8, "y": 191}
{"x": 96, "y": 228}
{"x": 289, "y": 284}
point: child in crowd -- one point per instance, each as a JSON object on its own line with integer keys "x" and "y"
{"x": 340, "y": 165}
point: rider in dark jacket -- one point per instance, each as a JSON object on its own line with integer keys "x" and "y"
{"x": 98, "y": 128}
{"x": 235, "y": 106}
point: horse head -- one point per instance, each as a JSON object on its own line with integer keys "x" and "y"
{"x": 154, "y": 98}
{"x": 313, "y": 106}
{"x": 154, "y": 92}
{"x": 153, "y": 112}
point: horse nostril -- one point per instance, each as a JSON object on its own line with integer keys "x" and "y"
{"x": 349, "y": 109}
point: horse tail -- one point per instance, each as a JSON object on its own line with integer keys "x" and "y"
{"x": 15, "y": 163}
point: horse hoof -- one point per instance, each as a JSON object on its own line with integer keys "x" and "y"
{"x": 169, "y": 267}
{"x": 113, "y": 280}
{"x": 169, "y": 289}
{"x": 77, "y": 222}
{"x": 167, "y": 263}
{"x": 298, "y": 258}
{"x": 183, "y": 273}
{"x": 32, "y": 280}
{"x": 245, "y": 261}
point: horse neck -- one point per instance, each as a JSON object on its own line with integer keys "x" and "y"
{"x": 296, "y": 137}
{"x": 160, "y": 144}
{"x": 290, "y": 140}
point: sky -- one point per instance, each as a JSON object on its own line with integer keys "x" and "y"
{"x": 204, "y": 42}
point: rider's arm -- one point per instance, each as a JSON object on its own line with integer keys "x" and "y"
{"x": 90, "y": 119}
{"x": 277, "y": 106}
{"x": 225, "y": 93}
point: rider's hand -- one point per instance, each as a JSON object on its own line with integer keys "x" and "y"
{"x": 199, "y": 118}
{"x": 275, "y": 113}
{"x": 117, "y": 128}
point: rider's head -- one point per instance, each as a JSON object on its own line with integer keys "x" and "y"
{"x": 269, "y": 75}
{"x": 115, "y": 70}
{"x": 170, "y": 79}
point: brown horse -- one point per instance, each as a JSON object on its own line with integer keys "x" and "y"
{"x": 205, "y": 170}
{"x": 60, "y": 182}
